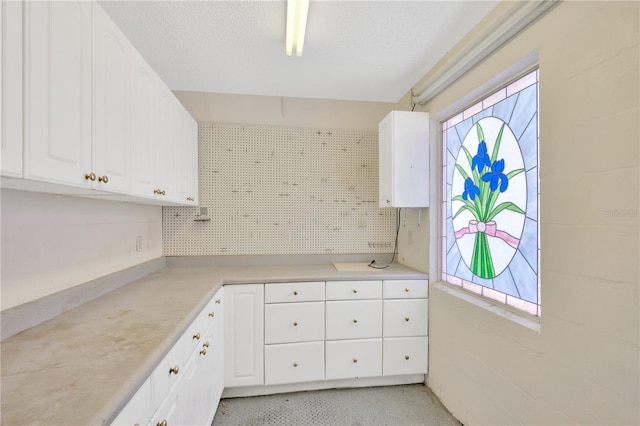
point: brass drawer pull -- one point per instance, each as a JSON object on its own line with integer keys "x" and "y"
{"x": 203, "y": 352}
{"x": 196, "y": 336}
{"x": 406, "y": 290}
{"x": 295, "y": 293}
{"x": 90, "y": 176}
{"x": 355, "y": 320}
{"x": 295, "y": 364}
{"x": 174, "y": 370}
{"x": 205, "y": 345}
{"x": 355, "y": 290}
{"x": 406, "y": 319}
{"x": 355, "y": 360}
{"x": 212, "y": 314}
{"x": 218, "y": 301}
{"x": 406, "y": 357}
{"x": 295, "y": 323}
{"x": 103, "y": 179}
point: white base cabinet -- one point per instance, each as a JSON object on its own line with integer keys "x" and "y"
{"x": 244, "y": 335}
{"x": 186, "y": 386}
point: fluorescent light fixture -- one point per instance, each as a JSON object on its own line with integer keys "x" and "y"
{"x": 296, "y": 25}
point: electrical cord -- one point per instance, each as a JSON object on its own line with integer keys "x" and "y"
{"x": 372, "y": 264}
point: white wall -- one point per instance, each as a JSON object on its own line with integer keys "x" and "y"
{"x": 583, "y": 365}
{"x": 51, "y": 242}
{"x": 277, "y": 111}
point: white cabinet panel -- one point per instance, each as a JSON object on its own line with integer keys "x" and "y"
{"x": 405, "y": 317}
{"x": 293, "y": 322}
{"x": 294, "y": 292}
{"x": 353, "y": 358}
{"x": 112, "y": 105}
{"x": 404, "y": 355}
{"x": 244, "y": 335}
{"x": 404, "y": 159}
{"x": 294, "y": 362}
{"x": 57, "y": 59}
{"x": 406, "y": 289}
{"x": 354, "y": 319}
{"x": 11, "y": 88}
{"x": 354, "y": 290}
{"x": 167, "y": 373}
{"x": 144, "y": 125}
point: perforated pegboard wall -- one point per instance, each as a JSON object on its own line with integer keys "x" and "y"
{"x": 283, "y": 190}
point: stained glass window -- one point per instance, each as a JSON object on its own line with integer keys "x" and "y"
{"x": 490, "y": 231}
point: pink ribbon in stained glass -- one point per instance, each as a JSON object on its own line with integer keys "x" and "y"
{"x": 489, "y": 228}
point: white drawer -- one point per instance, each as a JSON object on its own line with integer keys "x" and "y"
{"x": 293, "y": 362}
{"x": 359, "y": 319}
{"x": 167, "y": 373}
{"x": 293, "y": 322}
{"x": 347, "y": 359}
{"x": 405, "y": 289}
{"x": 293, "y": 292}
{"x": 404, "y": 318}
{"x": 354, "y": 290}
{"x": 404, "y": 355}
{"x": 201, "y": 325}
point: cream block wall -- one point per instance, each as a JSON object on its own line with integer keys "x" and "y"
{"x": 51, "y": 243}
{"x": 583, "y": 366}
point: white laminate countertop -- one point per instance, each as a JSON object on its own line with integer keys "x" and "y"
{"x": 83, "y": 366}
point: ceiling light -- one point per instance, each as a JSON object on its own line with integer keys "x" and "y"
{"x": 296, "y": 25}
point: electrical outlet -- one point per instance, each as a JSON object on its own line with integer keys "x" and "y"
{"x": 139, "y": 243}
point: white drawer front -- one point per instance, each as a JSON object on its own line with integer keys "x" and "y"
{"x": 293, "y": 362}
{"x": 348, "y": 359}
{"x": 167, "y": 373}
{"x": 354, "y": 319}
{"x": 404, "y": 355}
{"x": 405, "y": 289}
{"x": 293, "y": 292}
{"x": 202, "y": 324}
{"x": 293, "y": 322}
{"x": 354, "y": 290}
{"x": 405, "y": 318}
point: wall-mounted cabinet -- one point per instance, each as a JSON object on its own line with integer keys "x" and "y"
{"x": 98, "y": 121}
{"x": 11, "y": 88}
{"x": 404, "y": 159}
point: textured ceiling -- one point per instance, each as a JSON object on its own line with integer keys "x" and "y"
{"x": 354, "y": 50}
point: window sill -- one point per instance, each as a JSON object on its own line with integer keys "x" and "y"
{"x": 520, "y": 318}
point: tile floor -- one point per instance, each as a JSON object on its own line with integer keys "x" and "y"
{"x": 386, "y": 405}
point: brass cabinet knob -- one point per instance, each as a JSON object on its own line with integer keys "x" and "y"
{"x": 103, "y": 179}
{"x": 163, "y": 192}
{"x": 355, "y": 360}
{"x": 218, "y": 301}
{"x": 196, "y": 336}
{"x": 212, "y": 314}
{"x": 174, "y": 370}
{"x": 295, "y": 293}
{"x": 406, "y": 319}
{"x": 190, "y": 199}
{"x": 157, "y": 191}
{"x": 90, "y": 176}
{"x": 203, "y": 352}
{"x": 406, "y": 290}
{"x": 162, "y": 423}
{"x": 388, "y": 201}
{"x": 355, "y": 290}
{"x": 355, "y": 320}
{"x": 295, "y": 364}
{"x": 295, "y": 324}
{"x": 406, "y": 357}
{"x": 205, "y": 345}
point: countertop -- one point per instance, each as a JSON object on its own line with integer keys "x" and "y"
{"x": 83, "y": 366}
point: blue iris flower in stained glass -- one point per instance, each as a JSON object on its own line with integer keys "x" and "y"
{"x": 470, "y": 189}
{"x": 496, "y": 176}
{"x": 481, "y": 159}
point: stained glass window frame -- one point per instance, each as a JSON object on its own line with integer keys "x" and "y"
{"x": 498, "y": 106}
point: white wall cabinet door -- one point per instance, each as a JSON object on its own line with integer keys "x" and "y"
{"x": 404, "y": 159}
{"x": 11, "y": 85}
{"x": 112, "y": 105}
{"x": 165, "y": 164}
{"x": 57, "y": 79}
{"x": 244, "y": 335}
{"x": 144, "y": 126}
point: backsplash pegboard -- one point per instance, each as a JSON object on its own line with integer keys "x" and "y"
{"x": 282, "y": 190}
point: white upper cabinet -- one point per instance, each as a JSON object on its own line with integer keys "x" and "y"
{"x": 97, "y": 118}
{"x": 57, "y": 90}
{"x": 112, "y": 105}
{"x": 404, "y": 159}
{"x": 144, "y": 125}
{"x": 11, "y": 80}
